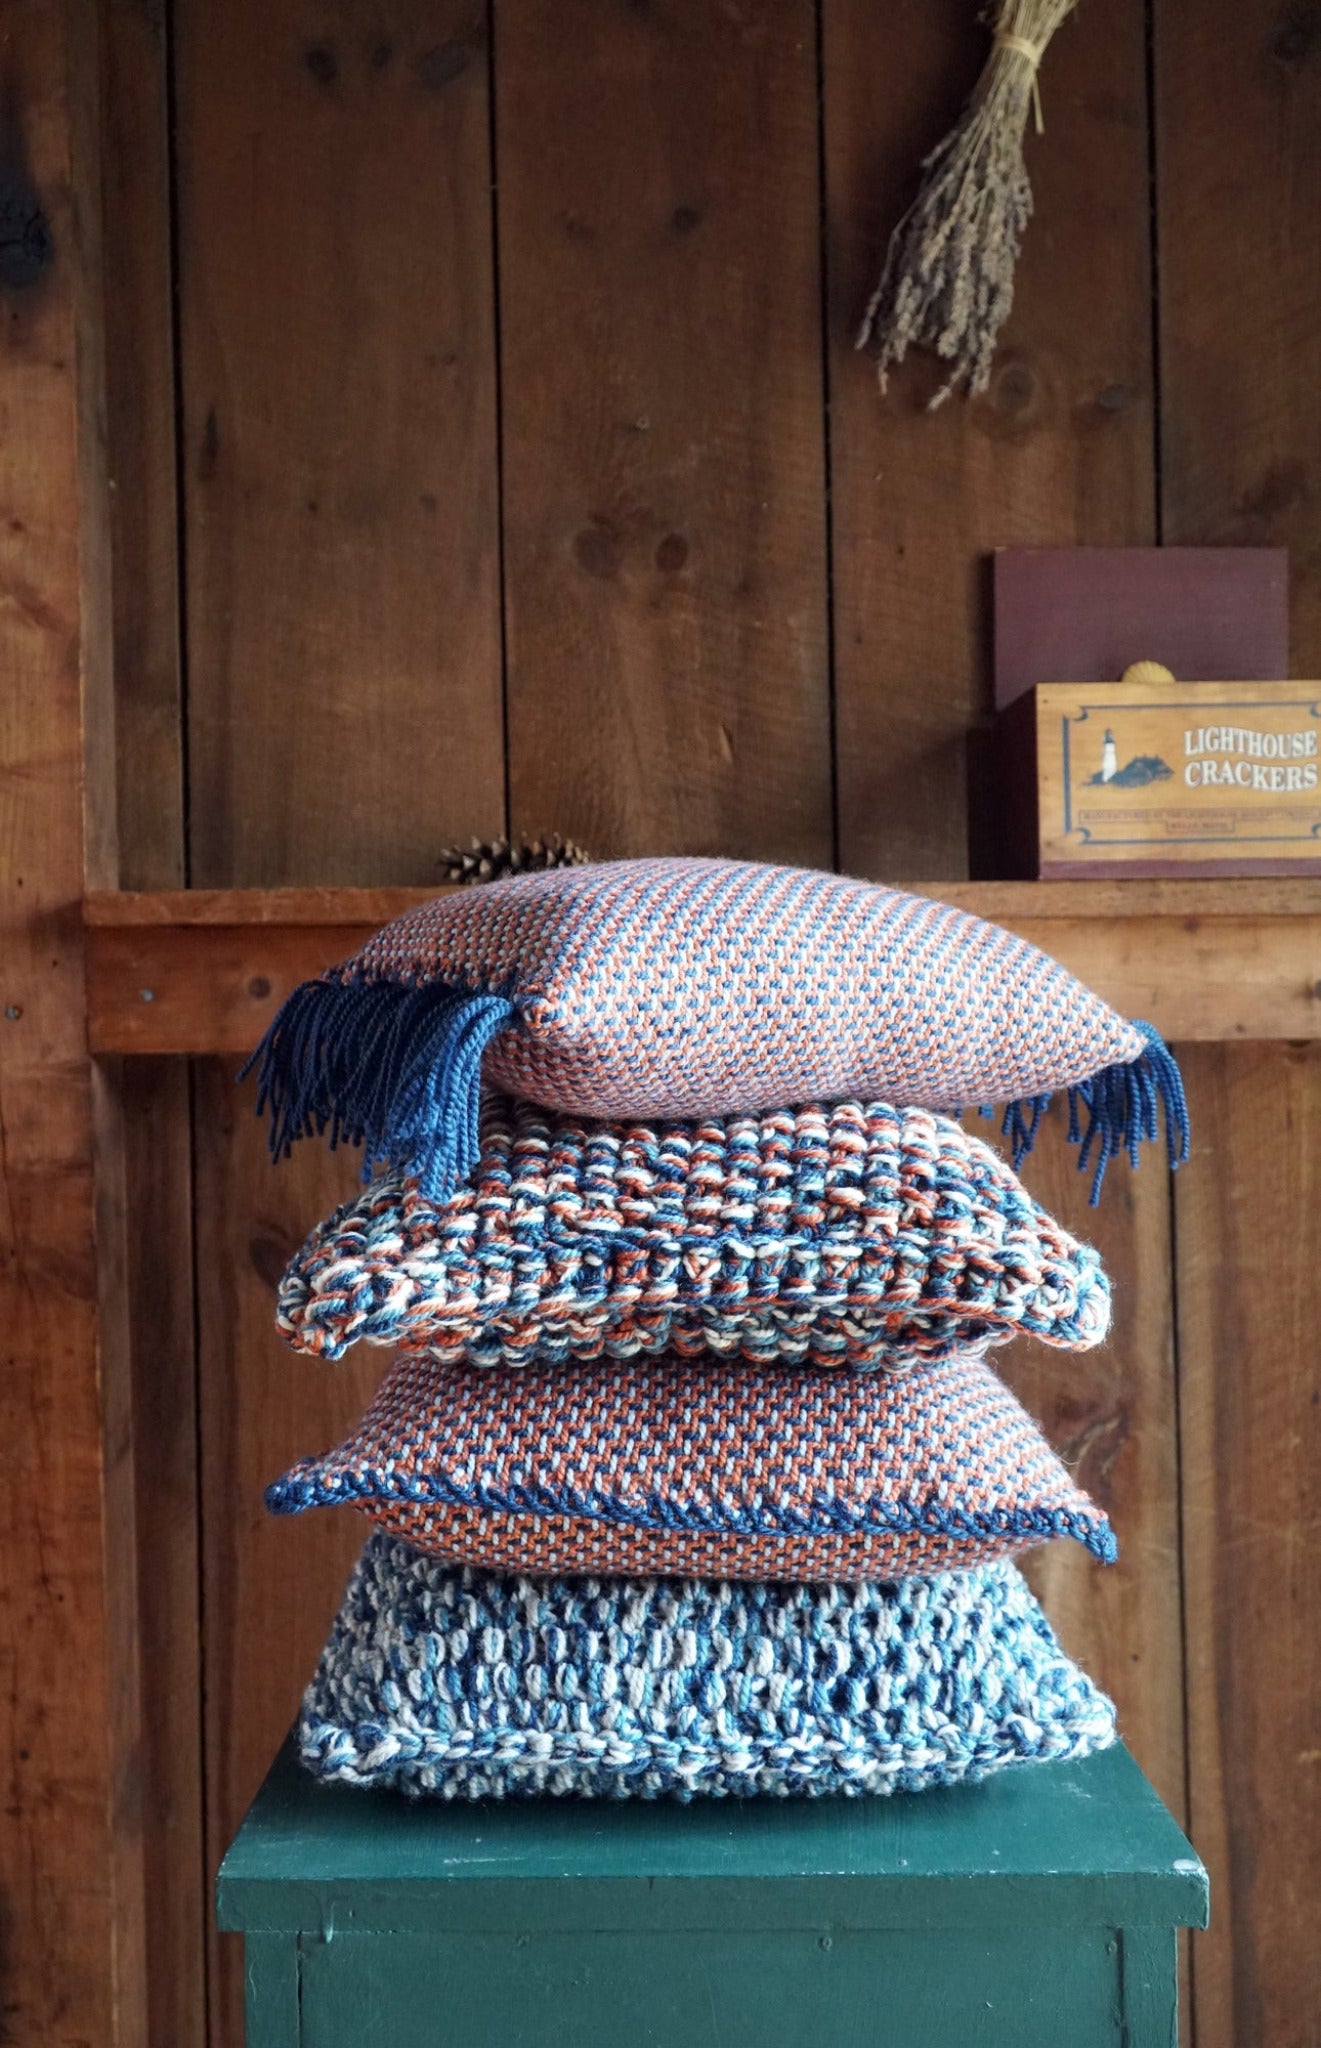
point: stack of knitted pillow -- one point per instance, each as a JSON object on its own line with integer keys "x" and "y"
{"x": 690, "y": 1473}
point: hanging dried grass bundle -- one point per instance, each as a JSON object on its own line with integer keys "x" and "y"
{"x": 948, "y": 281}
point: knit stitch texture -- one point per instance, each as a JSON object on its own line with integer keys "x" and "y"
{"x": 637, "y": 1468}
{"x": 857, "y": 1235}
{"x": 465, "y": 1685}
{"x": 693, "y": 988}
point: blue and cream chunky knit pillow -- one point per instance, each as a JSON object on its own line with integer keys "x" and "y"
{"x": 668, "y": 1467}
{"x": 695, "y": 988}
{"x": 857, "y": 1235}
{"x": 465, "y": 1685}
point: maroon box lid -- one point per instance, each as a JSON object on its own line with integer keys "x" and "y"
{"x": 1082, "y": 615}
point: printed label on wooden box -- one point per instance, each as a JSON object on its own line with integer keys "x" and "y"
{"x": 1142, "y": 775}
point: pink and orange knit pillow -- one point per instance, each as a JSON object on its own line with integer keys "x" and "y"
{"x": 672, "y": 1468}
{"x": 689, "y": 988}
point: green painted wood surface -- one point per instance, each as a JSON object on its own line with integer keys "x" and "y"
{"x": 1149, "y": 1986}
{"x": 852, "y": 1988}
{"x": 1057, "y": 1845}
{"x": 272, "y": 1971}
{"x": 1035, "y": 1910}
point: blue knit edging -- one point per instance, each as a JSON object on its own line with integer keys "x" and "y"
{"x": 1124, "y": 1105}
{"x": 380, "y": 1064}
{"x": 298, "y": 1491}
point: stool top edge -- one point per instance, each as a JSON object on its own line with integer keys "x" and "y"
{"x": 1082, "y": 1840}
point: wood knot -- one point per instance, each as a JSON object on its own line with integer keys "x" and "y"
{"x": 1093, "y": 1448}
{"x": 1014, "y": 389}
{"x": 209, "y": 454}
{"x": 1295, "y": 36}
{"x": 439, "y": 67}
{"x": 598, "y": 549}
{"x": 269, "y": 1255}
{"x": 322, "y": 62}
{"x": 1015, "y": 400}
{"x": 26, "y": 243}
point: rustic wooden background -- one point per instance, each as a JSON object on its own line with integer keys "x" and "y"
{"x": 486, "y": 450}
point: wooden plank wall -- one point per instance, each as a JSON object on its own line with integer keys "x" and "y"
{"x": 1238, "y": 125}
{"x": 490, "y": 450}
{"x": 71, "y": 1868}
{"x": 154, "y": 1095}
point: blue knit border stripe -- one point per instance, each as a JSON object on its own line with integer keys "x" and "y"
{"x": 297, "y": 1491}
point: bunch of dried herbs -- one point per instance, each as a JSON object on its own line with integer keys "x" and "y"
{"x": 948, "y": 282}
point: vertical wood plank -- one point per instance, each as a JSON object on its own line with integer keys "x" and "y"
{"x": 272, "y": 1969}
{"x": 665, "y": 564}
{"x": 1238, "y": 100}
{"x": 1058, "y": 450}
{"x": 339, "y": 438}
{"x": 344, "y": 641}
{"x": 1238, "y": 188}
{"x": 122, "y": 1565}
{"x": 150, "y": 1107}
{"x": 1111, "y": 1414}
{"x": 155, "y": 1117}
{"x": 271, "y": 1586}
{"x": 120, "y": 1580}
{"x": 1249, "y": 1291}
{"x": 1152, "y": 1997}
{"x": 66, "y": 1925}
{"x": 140, "y": 443}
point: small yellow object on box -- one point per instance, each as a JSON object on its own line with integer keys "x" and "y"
{"x": 1150, "y": 776}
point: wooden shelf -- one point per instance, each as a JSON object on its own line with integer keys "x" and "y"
{"x": 203, "y": 970}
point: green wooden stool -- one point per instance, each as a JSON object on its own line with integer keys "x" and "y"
{"x": 1038, "y": 1909}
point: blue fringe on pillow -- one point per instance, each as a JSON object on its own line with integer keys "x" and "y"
{"x": 1123, "y": 1104}
{"x": 393, "y": 1068}
{"x": 398, "y": 1069}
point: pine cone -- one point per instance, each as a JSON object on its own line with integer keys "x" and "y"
{"x": 489, "y": 860}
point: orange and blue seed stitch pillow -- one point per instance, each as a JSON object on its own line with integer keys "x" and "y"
{"x": 692, "y": 988}
{"x": 674, "y": 1468}
{"x": 459, "y": 1684}
{"x": 853, "y": 1235}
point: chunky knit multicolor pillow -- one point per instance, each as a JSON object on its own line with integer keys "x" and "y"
{"x": 693, "y": 988}
{"x": 676, "y": 1468}
{"x": 470, "y": 1686}
{"x": 857, "y": 1235}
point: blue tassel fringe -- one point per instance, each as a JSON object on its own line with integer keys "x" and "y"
{"x": 1123, "y": 1106}
{"x": 392, "y": 1068}
{"x": 398, "y": 1070}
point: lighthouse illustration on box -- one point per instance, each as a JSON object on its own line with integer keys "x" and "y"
{"x": 1109, "y": 759}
